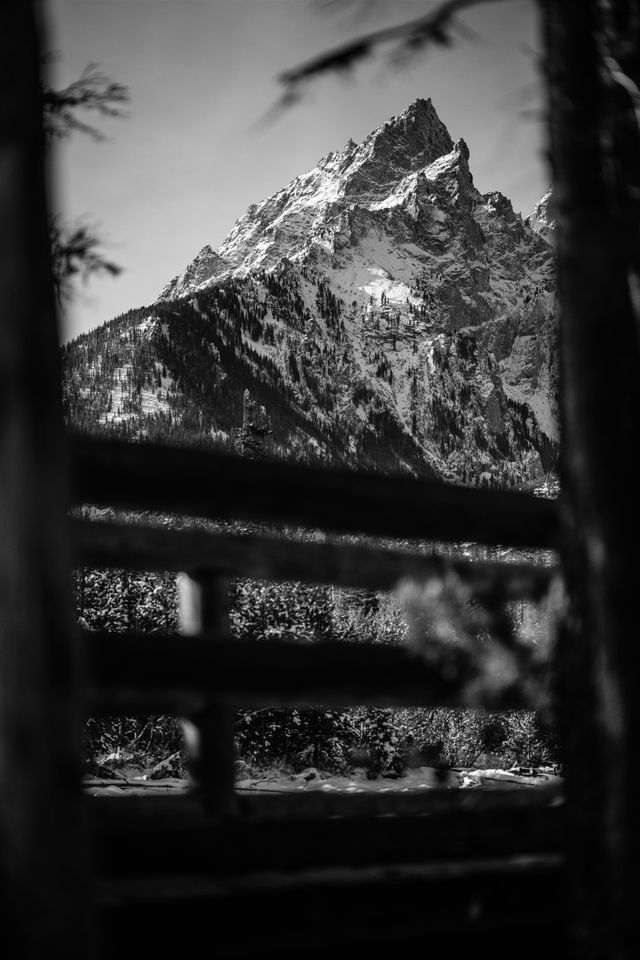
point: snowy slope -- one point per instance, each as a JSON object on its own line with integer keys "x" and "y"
{"x": 383, "y": 311}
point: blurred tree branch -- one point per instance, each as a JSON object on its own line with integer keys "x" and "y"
{"x": 76, "y": 247}
{"x": 75, "y": 252}
{"x": 407, "y": 38}
{"x": 93, "y": 91}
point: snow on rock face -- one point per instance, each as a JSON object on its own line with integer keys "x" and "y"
{"x": 301, "y": 213}
{"x": 206, "y": 266}
{"x": 398, "y": 231}
{"x": 542, "y": 217}
{"x": 400, "y": 146}
{"x": 403, "y": 319}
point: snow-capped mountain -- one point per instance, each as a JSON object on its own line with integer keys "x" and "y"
{"x": 315, "y": 211}
{"x": 380, "y": 310}
{"x": 542, "y": 217}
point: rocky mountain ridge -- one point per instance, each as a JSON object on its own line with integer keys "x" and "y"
{"x": 542, "y": 217}
{"x": 379, "y": 309}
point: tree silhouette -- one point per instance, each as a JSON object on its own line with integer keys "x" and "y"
{"x": 76, "y": 248}
{"x": 92, "y": 92}
{"x": 406, "y": 39}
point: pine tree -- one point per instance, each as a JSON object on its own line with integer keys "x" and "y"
{"x": 256, "y": 426}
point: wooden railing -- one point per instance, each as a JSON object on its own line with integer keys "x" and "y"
{"x": 489, "y": 852}
{"x": 207, "y": 484}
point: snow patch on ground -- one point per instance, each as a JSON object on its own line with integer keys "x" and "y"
{"x": 147, "y": 324}
{"x": 381, "y": 283}
{"x": 275, "y": 781}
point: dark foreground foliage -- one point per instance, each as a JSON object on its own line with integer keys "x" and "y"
{"x": 384, "y": 741}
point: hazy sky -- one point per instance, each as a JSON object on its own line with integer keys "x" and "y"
{"x": 202, "y": 74}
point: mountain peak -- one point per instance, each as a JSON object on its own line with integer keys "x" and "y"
{"x": 462, "y": 148}
{"x": 542, "y": 217}
{"x": 403, "y": 144}
{"x": 389, "y": 314}
{"x": 206, "y": 265}
{"x": 421, "y": 108}
{"x": 418, "y": 132}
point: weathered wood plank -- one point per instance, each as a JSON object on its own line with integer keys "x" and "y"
{"x": 135, "y": 546}
{"x": 43, "y": 901}
{"x": 209, "y": 484}
{"x": 147, "y": 673}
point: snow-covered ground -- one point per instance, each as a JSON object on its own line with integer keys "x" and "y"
{"x": 275, "y": 781}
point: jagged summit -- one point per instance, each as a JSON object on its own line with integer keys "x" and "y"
{"x": 385, "y": 313}
{"x": 462, "y": 148}
{"x": 403, "y": 145}
{"x": 204, "y": 267}
{"x": 542, "y": 217}
{"x": 407, "y": 142}
{"x": 417, "y": 135}
{"x": 316, "y": 210}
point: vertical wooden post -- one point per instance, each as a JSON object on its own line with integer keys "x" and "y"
{"x": 204, "y": 601}
{"x": 44, "y": 891}
{"x": 600, "y": 363}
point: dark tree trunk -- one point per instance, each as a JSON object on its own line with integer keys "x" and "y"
{"x": 594, "y": 141}
{"x": 43, "y": 893}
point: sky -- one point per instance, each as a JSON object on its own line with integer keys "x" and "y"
{"x": 195, "y": 150}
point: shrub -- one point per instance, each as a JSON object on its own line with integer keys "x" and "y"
{"x": 129, "y": 740}
{"x": 385, "y": 741}
{"x": 376, "y": 743}
{"x": 295, "y": 738}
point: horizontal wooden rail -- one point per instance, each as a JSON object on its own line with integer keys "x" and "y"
{"x": 494, "y": 907}
{"x": 209, "y": 484}
{"x": 134, "y": 546}
{"x": 146, "y": 673}
{"x": 174, "y": 835}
